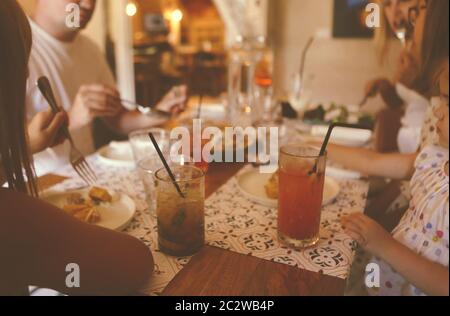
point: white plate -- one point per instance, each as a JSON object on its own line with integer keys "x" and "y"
{"x": 115, "y": 215}
{"x": 251, "y": 184}
{"x": 344, "y": 136}
{"x": 118, "y": 154}
{"x": 210, "y": 112}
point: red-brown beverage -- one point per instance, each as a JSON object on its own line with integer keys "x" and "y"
{"x": 301, "y": 183}
{"x": 263, "y": 74}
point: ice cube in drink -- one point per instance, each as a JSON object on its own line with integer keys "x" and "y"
{"x": 181, "y": 220}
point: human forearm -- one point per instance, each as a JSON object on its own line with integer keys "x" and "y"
{"x": 386, "y": 89}
{"x": 354, "y": 158}
{"x": 432, "y": 278}
{"x": 371, "y": 163}
{"x": 130, "y": 121}
{"x": 38, "y": 254}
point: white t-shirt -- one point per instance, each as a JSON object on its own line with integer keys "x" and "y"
{"x": 408, "y": 138}
{"x": 68, "y": 66}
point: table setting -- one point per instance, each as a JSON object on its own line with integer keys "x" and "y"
{"x": 179, "y": 205}
{"x": 239, "y": 217}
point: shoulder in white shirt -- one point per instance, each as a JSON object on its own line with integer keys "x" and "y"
{"x": 408, "y": 139}
{"x": 68, "y": 66}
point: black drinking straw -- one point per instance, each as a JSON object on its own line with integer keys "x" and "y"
{"x": 161, "y": 156}
{"x": 323, "y": 149}
{"x": 200, "y": 103}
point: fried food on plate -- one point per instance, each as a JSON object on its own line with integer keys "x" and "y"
{"x": 99, "y": 194}
{"x": 272, "y": 186}
{"x": 88, "y": 215}
{"x": 85, "y": 209}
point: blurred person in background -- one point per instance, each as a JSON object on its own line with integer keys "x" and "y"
{"x": 400, "y": 122}
{"x": 82, "y": 81}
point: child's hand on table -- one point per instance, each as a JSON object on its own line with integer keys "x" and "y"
{"x": 368, "y": 233}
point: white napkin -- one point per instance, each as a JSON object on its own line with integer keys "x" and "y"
{"x": 343, "y": 135}
{"x": 408, "y": 138}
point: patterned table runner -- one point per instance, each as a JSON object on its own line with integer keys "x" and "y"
{"x": 236, "y": 224}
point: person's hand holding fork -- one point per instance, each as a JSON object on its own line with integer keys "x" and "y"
{"x": 174, "y": 101}
{"x": 94, "y": 101}
{"x": 44, "y": 130}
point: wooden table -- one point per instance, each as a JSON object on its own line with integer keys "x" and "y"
{"x": 216, "y": 272}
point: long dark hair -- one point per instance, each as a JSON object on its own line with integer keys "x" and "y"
{"x": 15, "y": 39}
{"x": 434, "y": 50}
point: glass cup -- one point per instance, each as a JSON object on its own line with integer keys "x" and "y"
{"x": 300, "y": 93}
{"x": 147, "y": 160}
{"x": 202, "y": 164}
{"x": 142, "y": 146}
{"x": 301, "y": 184}
{"x": 146, "y": 169}
{"x": 264, "y": 107}
{"x": 181, "y": 220}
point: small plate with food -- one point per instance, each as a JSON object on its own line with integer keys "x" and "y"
{"x": 209, "y": 112}
{"x": 262, "y": 188}
{"x": 118, "y": 154}
{"x": 96, "y": 206}
{"x": 327, "y": 113}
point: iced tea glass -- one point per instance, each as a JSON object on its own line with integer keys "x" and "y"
{"x": 181, "y": 220}
{"x": 301, "y": 184}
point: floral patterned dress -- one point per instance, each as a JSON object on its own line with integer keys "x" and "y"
{"x": 428, "y": 137}
{"x": 425, "y": 226}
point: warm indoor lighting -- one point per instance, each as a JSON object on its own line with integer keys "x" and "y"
{"x": 131, "y": 9}
{"x": 177, "y": 15}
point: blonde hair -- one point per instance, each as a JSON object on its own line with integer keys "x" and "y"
{"x": 435, "y": 45}
{"x": 383, "y": 34}
{"x": 15, "y": 39}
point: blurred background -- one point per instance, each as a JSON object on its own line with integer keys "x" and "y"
{"x": 153, "y": 44}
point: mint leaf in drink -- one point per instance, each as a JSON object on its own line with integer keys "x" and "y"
{"x": 179, "y": 218}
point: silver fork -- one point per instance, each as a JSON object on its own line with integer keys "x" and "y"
{"x": 77, "y": 159}
{"x": 145, "y": 110}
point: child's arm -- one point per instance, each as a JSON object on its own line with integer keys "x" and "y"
{"x": 432, "y": 278}
{"x": 393, "y": 165}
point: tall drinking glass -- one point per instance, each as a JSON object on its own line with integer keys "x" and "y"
{"x": 146, "y": 169}
{"x": 143, "y": 147}
{"x": 181, "y": 220}
{"x": 301, "y": 183}
{"x": 300, "y": 94}
{"x": 263, "y": 80}
{"x": 202, "y": 163}
{"x": 147, "y": 160}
